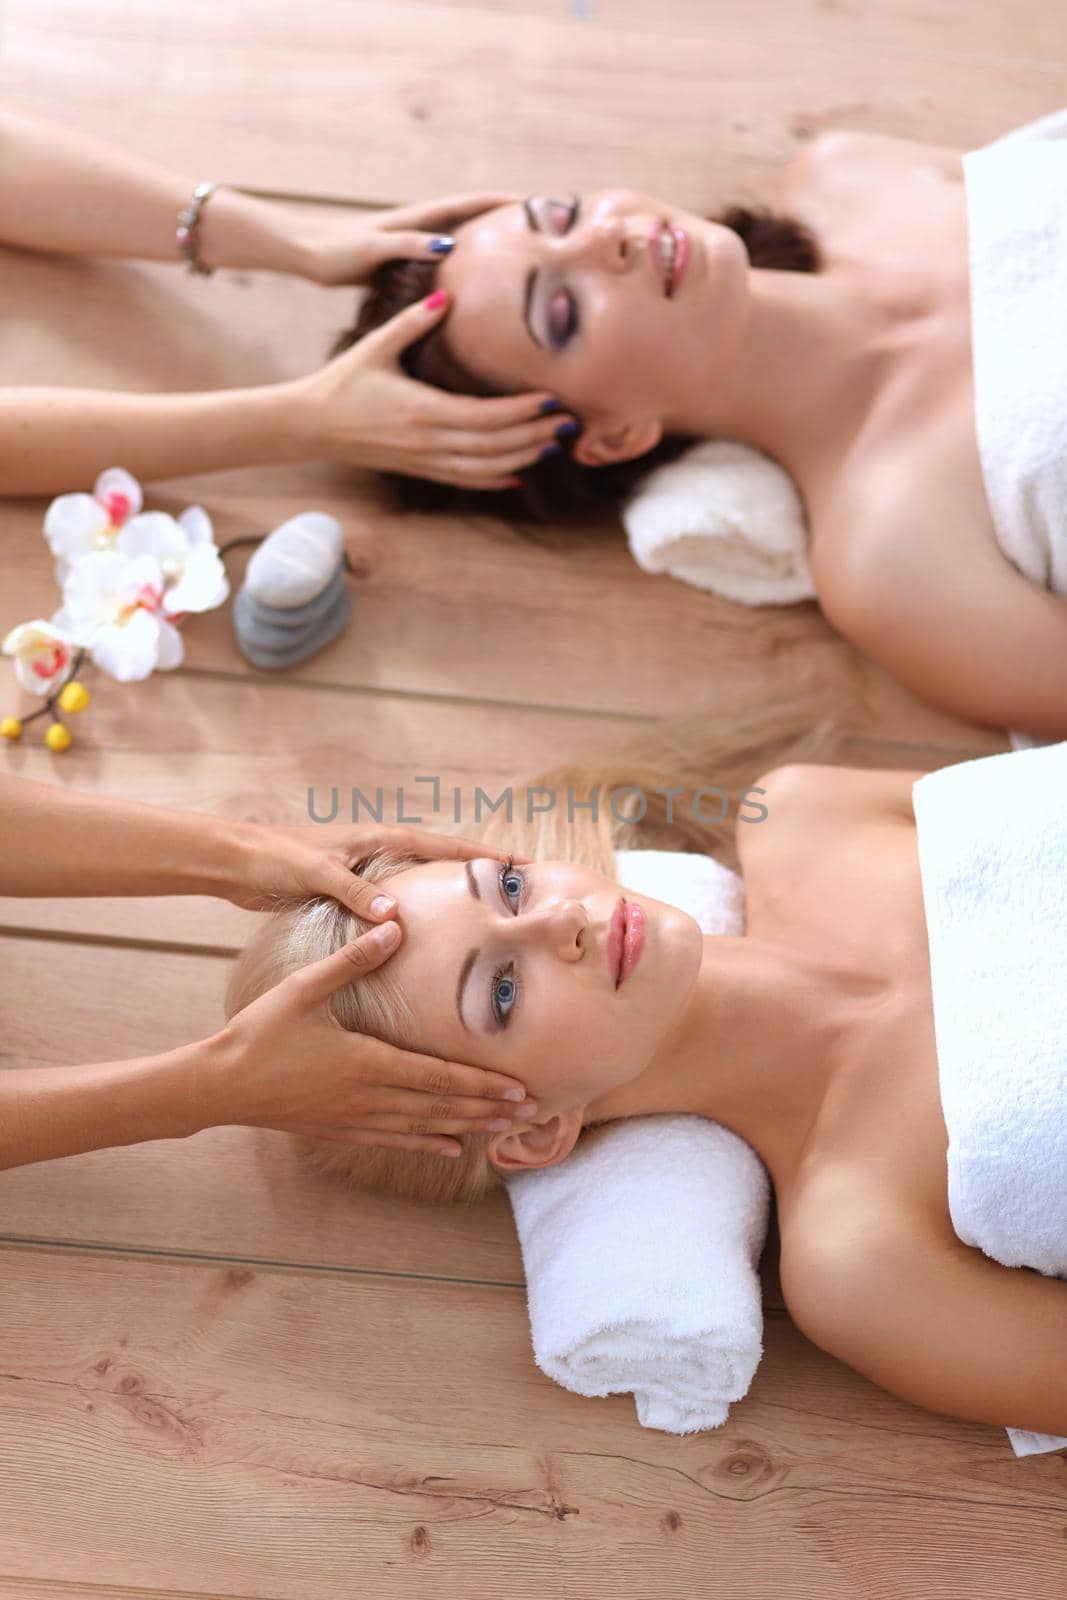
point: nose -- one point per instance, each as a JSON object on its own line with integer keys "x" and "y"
{"x": 605, "y": 242}
{"x": 563, "y": 928}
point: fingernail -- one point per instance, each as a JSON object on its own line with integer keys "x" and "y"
{"x": 387, "y": 934}
{"x": 513, "y": 1094}
{"x": 524, "y": 1113}
{"x": 451, "y": 1153}
{"x": 514, "y": 483}
{"x": 549, "y": 450}
{"x": 381, "y": 905}
{"x": 548, "y": 405}
{"x": 497, "y": 1125}
{"x": 565, "y": 429}
{"x": 436, "y": 299}
{"x": 442, "y": 244}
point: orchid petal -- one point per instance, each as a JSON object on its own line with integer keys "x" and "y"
{"x": 197, "y": 526}
{"x": 203, "y": 585}
{"x": 171, "y": 646}
{"x": 128, "y": 652}
{"x": 74, "y": 522}
{"x": 115, "y": 486}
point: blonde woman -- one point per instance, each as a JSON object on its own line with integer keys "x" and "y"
{"x": 811, "y": 1036}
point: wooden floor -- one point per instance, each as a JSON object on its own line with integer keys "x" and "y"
{"x": 217, "y": 1377}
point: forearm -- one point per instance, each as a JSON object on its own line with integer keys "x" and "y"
{"x": 62, "y": 190}
{"x": 62, "y": 842}
{"x": 46, "y": 1112}
{"x": 53, "y": 440}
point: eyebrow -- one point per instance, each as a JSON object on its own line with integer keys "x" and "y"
{"x": 531, "y": 276}
{"x": 472, "y": 955}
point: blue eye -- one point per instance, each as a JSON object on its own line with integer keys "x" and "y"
{"x": 504, "y": 992}
{"x": 510, "y": 874}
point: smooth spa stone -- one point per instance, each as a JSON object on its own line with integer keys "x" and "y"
{"x": 291, "y": 620}
{"x": 276, "y": 647}
{"x": 296, "y": 561}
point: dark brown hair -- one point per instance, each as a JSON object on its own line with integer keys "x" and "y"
{"x": 559, "y": 488}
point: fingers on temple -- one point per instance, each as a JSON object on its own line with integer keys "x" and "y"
{"x": 502, "y": 411}
{"x": 521, "y": 445}
{"x": 443, "y": 1080}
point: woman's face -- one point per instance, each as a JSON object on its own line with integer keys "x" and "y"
{"x": 569, "y": 294}
{"x": 516, "y": 968}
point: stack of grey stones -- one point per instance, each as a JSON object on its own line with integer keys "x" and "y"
{"x": 294, "y": 598}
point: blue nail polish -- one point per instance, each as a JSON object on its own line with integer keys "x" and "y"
{"x": 548, "y": 405}
{"x": 441, "y": 245}
{"x": 549, "y": 450}
{"x": 565, "y": 429}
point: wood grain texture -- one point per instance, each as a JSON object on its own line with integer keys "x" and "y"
{"x": 220, "y": 1377}
{"x": 508, "y": 96}
{"x": 271, "y": 1433}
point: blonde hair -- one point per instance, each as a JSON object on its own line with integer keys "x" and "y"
{"x": 706, "y": 748}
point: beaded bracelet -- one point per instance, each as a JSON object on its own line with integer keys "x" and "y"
{"x": 188, "y": 236}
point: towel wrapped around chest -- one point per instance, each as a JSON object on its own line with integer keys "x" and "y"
{"x": 992, "y": 841}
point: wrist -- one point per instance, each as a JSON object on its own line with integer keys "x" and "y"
{"x": 224, "y": 858}
{"x": 239, "y": 230}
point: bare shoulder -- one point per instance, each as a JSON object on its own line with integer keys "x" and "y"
{"x": 824, "y": 796}
{"x": 909, "y": 583}
{"x": 893, "y": 1293}
{"x": 844, "y": 157}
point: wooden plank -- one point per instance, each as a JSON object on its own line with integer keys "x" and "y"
{"x": 384, "y": 102}
{"x": 275, "y": 1433}
{"x": 236, "y": 1193}
{"x": 959, "y": 29}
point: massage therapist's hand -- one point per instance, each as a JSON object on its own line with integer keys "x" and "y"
{"x": 282, "y": 861}
{"x": 285, "y": 1062}
{"x": 364, "y": 409}
{"x": 342, "y": 246}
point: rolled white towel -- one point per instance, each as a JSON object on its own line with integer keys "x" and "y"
{"x": 724, "y": 517}
{"x": 642, "y": 1255}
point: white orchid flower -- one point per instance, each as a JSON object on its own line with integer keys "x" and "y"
{"x": 113, "y": 606}
{"x": 194, "y": 576}
{"x": 42, "y": 653}
{"x": 76, "y": 524}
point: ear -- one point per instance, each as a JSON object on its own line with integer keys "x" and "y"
{"x": 601, "y": 443}
{"x": 541, "y": 1144}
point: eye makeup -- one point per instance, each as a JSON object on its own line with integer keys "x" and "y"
{"x": 563, "y": 309}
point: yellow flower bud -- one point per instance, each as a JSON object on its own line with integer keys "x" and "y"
{"x": 11, "y": 727}
{"x": 58, "y": 737}
{"x": 73, "y": 696}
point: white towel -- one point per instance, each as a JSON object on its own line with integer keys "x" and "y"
{"x": 725, "y": 517}
{"x": 992, "y": 839}
{"x": 1016, "y": 190}
{"x": 642, "y": 1248}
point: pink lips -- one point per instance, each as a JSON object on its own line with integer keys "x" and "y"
{"x": 681, "y": 256}
{"x": 626, "y": 940}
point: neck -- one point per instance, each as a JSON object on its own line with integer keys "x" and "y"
{"x": 752, "y": 1048}
{"x": 795, "y": 375}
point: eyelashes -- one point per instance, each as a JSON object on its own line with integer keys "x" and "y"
{"x": 504, "y": 987}
{"x": 562, "y": 336}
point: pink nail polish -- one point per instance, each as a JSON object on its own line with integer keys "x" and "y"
{"x": 436, "y": 299}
